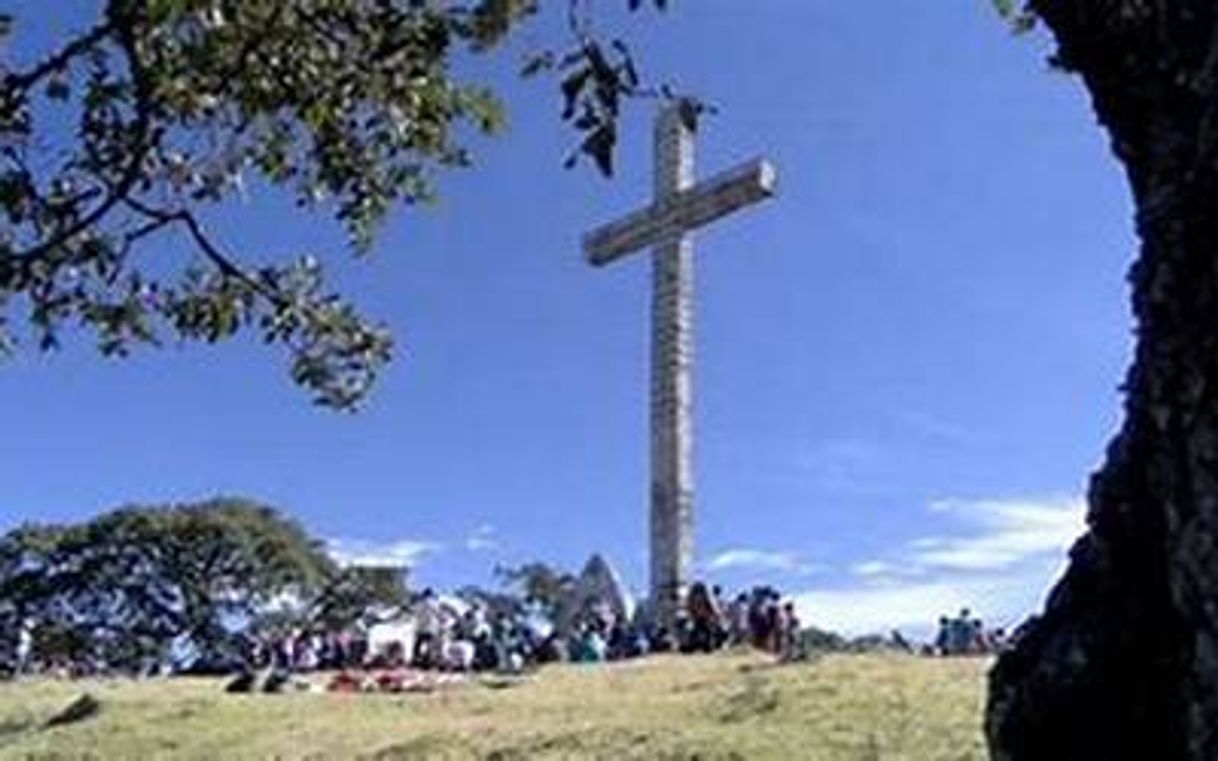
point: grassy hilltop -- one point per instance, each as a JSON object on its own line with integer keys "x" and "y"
{"x": 738, "y": 706}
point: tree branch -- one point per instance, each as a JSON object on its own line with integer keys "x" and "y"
{"x": 162, "y": 217}
{"x": 125, "y": 29}
{"x": 18, "y": 81}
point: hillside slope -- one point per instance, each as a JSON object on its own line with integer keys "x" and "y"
{"x": 720, "y": 707}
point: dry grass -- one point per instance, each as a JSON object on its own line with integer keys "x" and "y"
{"x": 865, "y": 707}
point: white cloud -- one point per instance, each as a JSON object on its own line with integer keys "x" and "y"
{"x": 873, "y": 568}
{"x": 999, "y": 562}
{"x": 871, "y": 609}
{"x": 758, "y": 560}
{"x": 405, "y": 553}
{"x": 914, "y": 606}
{"x": 482, "y": 539}
{"x": 1010, "y": 532}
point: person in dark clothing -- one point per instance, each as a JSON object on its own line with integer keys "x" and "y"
{"x": 704, "y": 620}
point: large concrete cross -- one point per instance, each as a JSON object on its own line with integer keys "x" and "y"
{"x": 680, "y": 206}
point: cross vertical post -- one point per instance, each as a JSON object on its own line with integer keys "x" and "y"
{"x": 672, "y": 492}
{"x": 679, "y": 207}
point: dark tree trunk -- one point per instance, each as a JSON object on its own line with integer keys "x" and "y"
{"x": 1123, "y": 663}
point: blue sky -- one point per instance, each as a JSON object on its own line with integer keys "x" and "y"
{"x": 907, "y": 364}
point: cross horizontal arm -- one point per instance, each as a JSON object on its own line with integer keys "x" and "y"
{"x": 690, "y": 209}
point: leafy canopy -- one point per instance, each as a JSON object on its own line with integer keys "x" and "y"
{"x": 539, "y": 583}
{"x": 128, "y": 585}
{"x": 117, "y": 142}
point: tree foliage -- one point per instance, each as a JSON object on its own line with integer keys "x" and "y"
{"x": 119, "y": 142}
{"x": 131, "y": 584}
{"x": 357, "y": 596}
{"x": 539, "y": 583}
{"x": 1020, "y": 15}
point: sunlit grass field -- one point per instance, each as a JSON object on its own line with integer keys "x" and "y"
{"x": 736, "y": 706}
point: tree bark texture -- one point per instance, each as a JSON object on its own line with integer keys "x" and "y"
{"x": 1123, "y": 662}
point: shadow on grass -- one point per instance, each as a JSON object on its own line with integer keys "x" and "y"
{"x": 439, "y": 747}
{"x": 14, "y": 726}
{"x": 756, "y": 698}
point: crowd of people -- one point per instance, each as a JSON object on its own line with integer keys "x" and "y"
{"x": 758, "y": 617}
{"x": 447, "y": 636}
{"x": 441, "y": 637}
{"x": 709, "y": 622}
{"x": 966, "y": 634}
{"x": 304, "y": 650}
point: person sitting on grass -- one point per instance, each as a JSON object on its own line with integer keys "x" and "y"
{"x": 595, "y": 646}
{"x": 458, "y": 655}
{"x": 661, "y": 640}
{"x": 587, "y": 646}
{"x": 619, "y": 641}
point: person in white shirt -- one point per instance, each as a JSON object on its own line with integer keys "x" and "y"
{"x": 428, "y": 618}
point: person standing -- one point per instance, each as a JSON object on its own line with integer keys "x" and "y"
{"x": 738, "y": 620}
{"x": 772, "y": 638}
{"x": 790, "y": 633}
{"x": 427, "y": 642}
{"x": 25, "y": 646}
